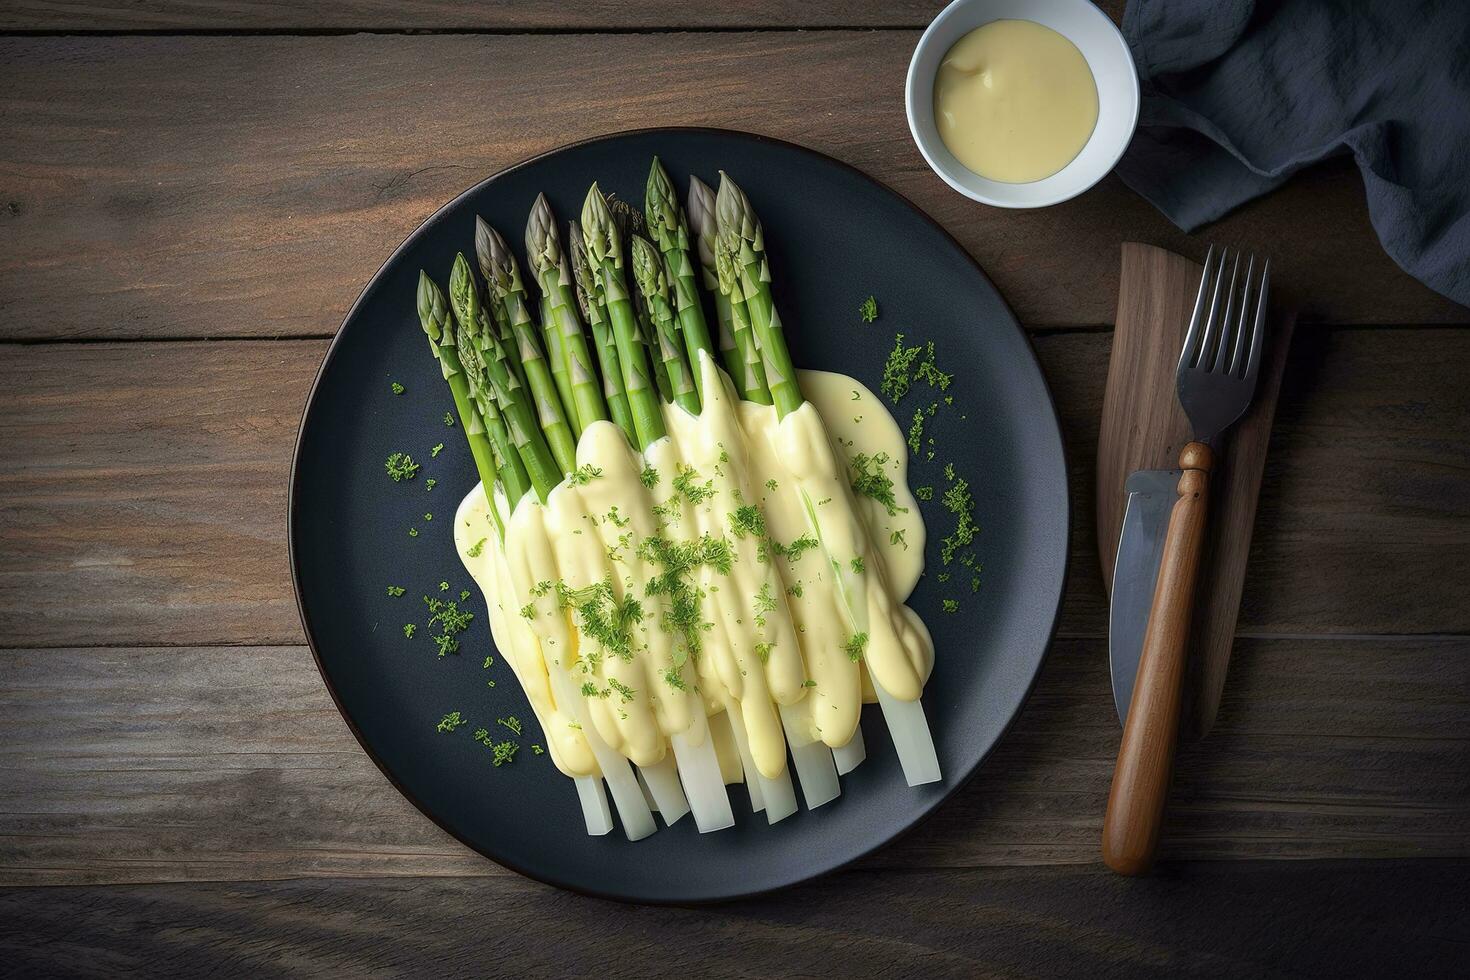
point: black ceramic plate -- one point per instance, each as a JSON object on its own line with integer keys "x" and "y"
{"x": 835, "y": 236}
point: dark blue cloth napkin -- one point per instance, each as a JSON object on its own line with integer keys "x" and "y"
{"x": 1240, "y": 94}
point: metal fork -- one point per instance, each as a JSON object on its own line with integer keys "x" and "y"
{"x": 1216, "y": 380}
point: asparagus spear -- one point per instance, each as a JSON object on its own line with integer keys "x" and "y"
{"x": 702, "y": 223}
{"x": 434, "y": 317}
{"x": 667, "y": 227}
{"x": 595, "y": 313}
{"x": 525, "y": 434}
{"x": 503, "y": 278}
{"x": 653, "y": 283}
{"x": 549, "y": 263}
{"x": 650, "y": 346}
{"x": 605, "y": 253}
{"x": 523, "y": 350}
{"x": 742, "y": 243}
{"x": 507, "y": 461}
{"x": 556, "y": 358}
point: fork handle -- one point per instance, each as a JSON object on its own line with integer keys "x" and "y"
{"x": 1146, "y": 756}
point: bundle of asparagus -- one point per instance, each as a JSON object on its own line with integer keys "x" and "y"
{"x": 614, "y": 347}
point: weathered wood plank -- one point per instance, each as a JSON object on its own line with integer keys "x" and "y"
{"x": 448, "y": 15}
{"x": 231, "y": 763}
{"x": 1206, "y": 920}
{"x": 218, "y": 187}
{"x": 146, "y": 507}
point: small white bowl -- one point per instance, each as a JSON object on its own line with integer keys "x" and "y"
{"x": 1107, "y": 56}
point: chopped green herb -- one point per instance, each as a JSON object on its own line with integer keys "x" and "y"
{"x": 857, "y": 565}
{"x": 450, "y": 722}
{"x": 400, "y": 467}
{"x": 961, "y": 502}
{"x": 896, "y": 379}
{"x": 624, "y": 691}
{"x": 795, "y": 590}
{"x": 489, "y": 662}
{"x": 674, "y": 679}
{"x": 916, "y": 432}
{"x": 928, "y": 371}
{"x": 409, "y": 629}
{"x": 855, "y": 646}
{"x": 748, "y": 520}
{"x": 764, "y": 603}
{"x": 439, "y": 448}
{"x": 584, "y": 475}
{"x": 512, "y": 723}
{"x": 413, "y": 532}
{"x": 924, "y": 493}
{"x": 397, "y": 388}
{"x": 944, "y": 576}
{"x": 951, "y": 605}
{"x": 897, "y": 538}
{"x": 449, "y": 418}
{"x": 443, "y": 586}
{"x": 855, "y": 395}
{"x": 772, "y": 485}
{"x": 503, "y": 752}
{"x": 975, "y": 584}
{"x": 685, "y": 485}
{"x": 649, "y": 476}
{"x": 395, "y": 590}
{"x": 538, "y": 749}
{"x": 868, "y": 310}
{"x": 430, "y": 483}
{"x": 793, "y": 551}
{"x": 464, "y": 594}
{"x": 808, "y": 683}
{"x": 428, "y": 516}
{"x": 474, "y": 550}
{"x": 868, "y": 479}
{"x": 763, "y": 650}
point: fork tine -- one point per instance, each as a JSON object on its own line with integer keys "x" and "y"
{"x": 1228, "y": 332}
{"x": 1243, "y": 332}
{"x": 1253, "y": 362}
{"x": 1196, "y": 327}
{"x": 1212, "y": 320}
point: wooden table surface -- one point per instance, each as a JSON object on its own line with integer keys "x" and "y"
{"x": 191, "y": 194}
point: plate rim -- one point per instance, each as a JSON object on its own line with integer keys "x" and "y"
{"x": 294, "y": 489}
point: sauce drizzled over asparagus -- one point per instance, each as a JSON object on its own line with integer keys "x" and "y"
{"x": 695, "y": 560}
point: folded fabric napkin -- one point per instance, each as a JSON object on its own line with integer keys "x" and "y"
{"x": 1240, "y": 94}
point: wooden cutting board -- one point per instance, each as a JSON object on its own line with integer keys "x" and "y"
{"x": 1143, "y": 427}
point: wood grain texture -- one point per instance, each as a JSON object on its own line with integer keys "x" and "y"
{"x": 230, "y": 763}
{"x": 147, "y": 497}
{"x": 452, "y": 15}
{"x": 1302, "y": 920}
{"x": 1143, "y": 427}
{"x": 250, "y": 186}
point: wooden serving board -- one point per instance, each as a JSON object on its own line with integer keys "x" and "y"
{"x": 1143, "y": 427}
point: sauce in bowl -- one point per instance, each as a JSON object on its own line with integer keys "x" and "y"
{"x": 1015, "y": 101}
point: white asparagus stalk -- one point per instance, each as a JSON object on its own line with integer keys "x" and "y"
{"x": 911, "y": 738}
{"x": 621, "y": 783}
{"x": 662, "y": 781}
{"x": 848, "y": 757}
{"x": 742, "y": 744}
{"x": 815, "y": 769}
{"x": 594, "y": 805}
{"x": 699, "y": 770}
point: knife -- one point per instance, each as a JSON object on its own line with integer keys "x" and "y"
{"x": 1151, "y": 494}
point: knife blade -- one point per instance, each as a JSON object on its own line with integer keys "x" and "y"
{"x": 1151, "y": 496}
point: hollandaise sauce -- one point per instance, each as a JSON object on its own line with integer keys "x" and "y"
{"x": 1014, "y": 101}
{"x": 682, "y": 619}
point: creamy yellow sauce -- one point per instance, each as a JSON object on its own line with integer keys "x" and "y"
{"x": 1014, "y": 101}
{"x": 772, "y": 664}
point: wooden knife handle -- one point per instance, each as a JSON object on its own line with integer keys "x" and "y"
{"x": 1146, "y": 757}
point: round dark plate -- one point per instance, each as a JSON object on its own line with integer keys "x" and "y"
{"x": 835, "y": 236}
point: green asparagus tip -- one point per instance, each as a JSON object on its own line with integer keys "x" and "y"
{"x": 702, "y": 219}
{"x": 432, "y": 308}
{"x": 464, "y": 294}
{"x": 581, "y": 272}
{"x": 543, "y": 247}
{"x": 734, "y": 216}
{"x": 484, "y": 244}
{"x": 600, "y": 231}
{"x": 648, "y": 268}
{"x": 661, "y": 208}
